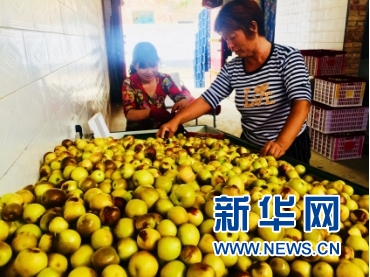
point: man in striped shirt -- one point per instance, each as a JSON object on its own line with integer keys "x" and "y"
{"x": 271, "y": 83}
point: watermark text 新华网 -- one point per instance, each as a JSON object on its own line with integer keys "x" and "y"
{"x": 231, "y": 214}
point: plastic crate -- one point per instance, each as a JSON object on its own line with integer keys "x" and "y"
{"x": 330, "y": 120}
{"x": 324, "y": 62}
{"x": 205, "y": 13}
{"x": 204, "y": 32}
{"x": 339, "y": 90}
{"x": 199, "y": 83}
{"x": 344, "y": 146}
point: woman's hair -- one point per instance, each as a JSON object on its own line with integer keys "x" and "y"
{"x": 144, "y": 55}
{"x": 238, "y": 15}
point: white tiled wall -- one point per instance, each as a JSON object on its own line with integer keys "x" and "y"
{"x": 53, "y": 75}
{"x": 311, "y": 24}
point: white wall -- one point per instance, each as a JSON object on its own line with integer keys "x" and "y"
{"x": 53, "y": 74}
{"x": 311, "y": 24}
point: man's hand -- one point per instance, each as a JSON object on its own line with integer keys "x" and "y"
{"x": 169, "y": 127}
{"x": 179, "y": 106}
{"x": 272, "y": 148}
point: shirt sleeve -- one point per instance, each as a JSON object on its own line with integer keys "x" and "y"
{"x": 173, "y": 91}
{"x": 187, "y": 94}
{"x": 296, "y": 77}
{"x": 219, "y": 89}
{"x": 128, "y": 96}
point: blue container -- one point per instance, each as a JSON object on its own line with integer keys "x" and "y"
{"x": 202, "y": 66}
{"x": 204, "y": 32}
{"x": 205, "y": 13}
{"x": 199, "y": 84}
{"x": 207, "y": 62}
{"x": 203, "y": 49}
{"x": 202, "y": 41}
{"x": 197, "y": 68}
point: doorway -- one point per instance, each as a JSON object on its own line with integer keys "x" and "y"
{"x": 171, "y": 26}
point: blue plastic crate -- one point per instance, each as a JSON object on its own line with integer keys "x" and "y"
{"x": 202, "y": 66}
{"x": 198, "y": 43}
{"x": 198, "y": 58}
{"x": 202, "y": 41}
{"x": 207, "y": 23}
{"x": 203, "y": 49}
{"x": 205, "y": 32}
{"x": 199, "y": 84}
{"x": 205, "y": 13}
{"x": 197, "y": 36}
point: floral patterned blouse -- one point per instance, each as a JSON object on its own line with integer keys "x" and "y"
{"x": 134, "y": 96}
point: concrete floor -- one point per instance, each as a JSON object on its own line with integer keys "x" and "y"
{"x": 354, "y": 170}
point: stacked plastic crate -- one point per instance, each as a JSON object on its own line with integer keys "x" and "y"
{"x": 202, "y": 49}
{"x": 216, "y": 48}
{"x": 337, "y": 118}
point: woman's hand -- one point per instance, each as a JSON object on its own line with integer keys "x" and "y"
{"x": 168, "y": 129}
{"x": 194, "y": 110}
{"x": 292, "y": 126}
{"x": 179, "y": 106}
{"x": 273, "y": 148}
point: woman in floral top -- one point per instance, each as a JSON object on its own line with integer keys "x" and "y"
{"x": 145, "y": 91}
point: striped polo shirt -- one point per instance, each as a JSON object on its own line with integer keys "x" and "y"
{"x": 263, "y": 96}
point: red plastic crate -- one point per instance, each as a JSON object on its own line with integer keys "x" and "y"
{"x": 322, "y": 62}
{"x": 344, "y": 146}
{"x": 329, "y": 120}
{"x": 339, "y": 90}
